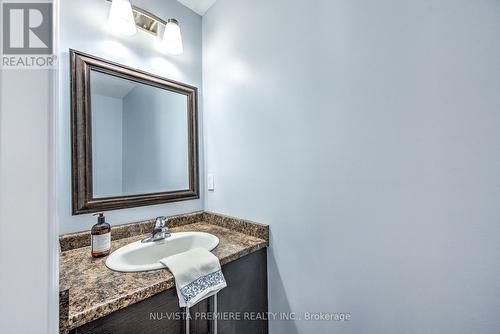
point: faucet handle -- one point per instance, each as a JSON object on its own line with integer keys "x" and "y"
{"x": 161, "y": 222}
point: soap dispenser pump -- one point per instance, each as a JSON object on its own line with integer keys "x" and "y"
{"x": 100, "y": 237}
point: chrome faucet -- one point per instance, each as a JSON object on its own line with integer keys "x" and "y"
{"x": 160, "y": 231}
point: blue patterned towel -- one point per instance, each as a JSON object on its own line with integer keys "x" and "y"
{"x": 197, "y": 274}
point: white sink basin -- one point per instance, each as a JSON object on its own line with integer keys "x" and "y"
{"x": 139, "y": 256}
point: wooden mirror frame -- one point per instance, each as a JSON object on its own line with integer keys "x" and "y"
{"x": 81, "y": 135}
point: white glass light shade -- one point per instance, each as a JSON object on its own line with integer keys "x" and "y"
{"x": 121, "y": 18}
{"x": 172, "y": 39}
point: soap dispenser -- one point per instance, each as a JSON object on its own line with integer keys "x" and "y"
{"x": 100, "y": 237}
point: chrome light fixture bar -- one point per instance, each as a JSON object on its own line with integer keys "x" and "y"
{"x": 145, "y": 20}
{"x": 148, "y": 22}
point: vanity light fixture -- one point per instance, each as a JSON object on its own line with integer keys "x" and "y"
{"x": 121, "y": 18}
{"x": 124, "y": 17}
{"x": 172, "y": 39}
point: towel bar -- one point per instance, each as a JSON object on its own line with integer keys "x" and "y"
{"x": 215, "y": 316}
{"x": 187, "y": 320}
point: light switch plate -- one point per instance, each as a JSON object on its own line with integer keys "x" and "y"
{"x": 210, "y": 182}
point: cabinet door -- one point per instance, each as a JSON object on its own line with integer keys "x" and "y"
{"x": 148, "y": 316}
{"x": 245, "y": 295}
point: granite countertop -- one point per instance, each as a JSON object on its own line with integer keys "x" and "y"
{"x": 89, "y": 290}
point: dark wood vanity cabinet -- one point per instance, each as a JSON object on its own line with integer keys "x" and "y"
{"x": 242, "y": 307}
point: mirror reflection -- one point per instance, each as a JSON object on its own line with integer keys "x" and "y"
{"x": 140, "y": 137}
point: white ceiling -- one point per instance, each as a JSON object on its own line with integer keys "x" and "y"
{"x": 198, "y": 6}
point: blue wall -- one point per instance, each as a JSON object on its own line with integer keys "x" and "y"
{"x": 366, "y": 133}
{"x": 25, "y": 203}
{"x": 83, "y": 27}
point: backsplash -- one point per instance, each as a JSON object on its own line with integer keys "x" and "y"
{"x": 82, "y": 239}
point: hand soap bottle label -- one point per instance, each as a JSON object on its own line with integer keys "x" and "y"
{"x": 101, "y": 242}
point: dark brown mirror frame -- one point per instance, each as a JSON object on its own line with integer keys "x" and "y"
{"x": 81, "y": 135}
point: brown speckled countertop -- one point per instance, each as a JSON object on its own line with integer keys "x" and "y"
{"x": 89, "y": 290}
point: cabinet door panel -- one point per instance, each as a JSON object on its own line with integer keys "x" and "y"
{"x": 245, "y": 295}
{"x": 140, "y": 318}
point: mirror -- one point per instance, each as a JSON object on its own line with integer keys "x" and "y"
{"x": 134, "y": 137}
{"x": 139, "y": 137}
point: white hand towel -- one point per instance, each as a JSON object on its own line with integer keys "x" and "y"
{"x": 197, "y": 274}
